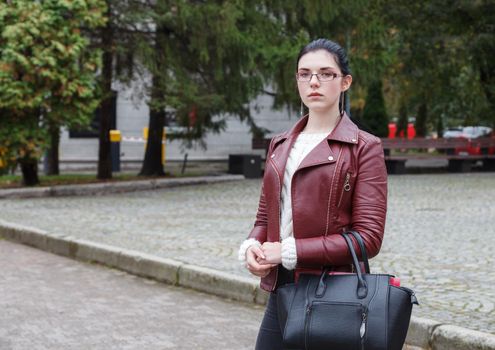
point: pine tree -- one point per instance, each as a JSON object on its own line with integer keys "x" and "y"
{"x": 204, "y": 58}
{"x": 374, "y": 114}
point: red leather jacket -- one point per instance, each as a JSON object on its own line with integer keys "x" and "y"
{"x": 340, "y": 185}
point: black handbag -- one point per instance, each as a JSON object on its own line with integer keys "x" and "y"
{"x": 355, "y": 311}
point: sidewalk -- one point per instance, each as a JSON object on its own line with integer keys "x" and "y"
{"x": 51, "y": 302}
{"x": 189, "y": 237}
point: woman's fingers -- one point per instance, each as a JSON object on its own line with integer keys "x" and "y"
{"x": 256, "y": 262}
{"x": 272, "y": 252}
{"x": 257, "y": 251}
{"x": 262, "y": 272}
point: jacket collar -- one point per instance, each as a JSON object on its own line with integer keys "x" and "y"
{"x": 345, "y": 131}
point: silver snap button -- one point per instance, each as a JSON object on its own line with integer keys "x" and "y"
{"x": 330, "y": 158}
{"x": 354, "y": 140}
{"x": 272, "y": 156}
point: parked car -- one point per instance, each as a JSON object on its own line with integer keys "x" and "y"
{"x": 471, "y": 133}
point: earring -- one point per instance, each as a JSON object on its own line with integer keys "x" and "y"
{"x": 302, "y": 109}
{"x": 342, "y": 103}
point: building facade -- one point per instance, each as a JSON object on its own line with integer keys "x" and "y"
{"x": 132, "y": 116}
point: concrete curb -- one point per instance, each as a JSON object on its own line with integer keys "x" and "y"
{"x": 165, "y": 270}
{"x": 422, "y": 334}
{"x": 112, "y": 187}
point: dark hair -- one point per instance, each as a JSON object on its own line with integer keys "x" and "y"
{"x": 332, "y": 48}
{"x": 338, "y": 54}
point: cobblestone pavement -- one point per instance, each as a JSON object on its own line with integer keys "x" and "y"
{"x": 439, "y": 236}
{"x": 51, "y": 302}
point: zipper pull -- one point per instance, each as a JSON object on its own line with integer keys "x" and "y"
{"x": 362, "y": 329}
{"x": 347, "y": 186}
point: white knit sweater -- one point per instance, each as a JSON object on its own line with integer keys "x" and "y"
{"x": 302, "y": 146}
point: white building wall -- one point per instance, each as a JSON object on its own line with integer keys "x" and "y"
{"x": 133, "y": 116}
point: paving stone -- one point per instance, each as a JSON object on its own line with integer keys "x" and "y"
{"x": 438, "y": 238}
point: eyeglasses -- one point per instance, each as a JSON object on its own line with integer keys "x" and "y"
{"x": 306, "y": 76}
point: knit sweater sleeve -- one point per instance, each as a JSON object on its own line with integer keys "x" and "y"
{"x": 245, "y": 246}
{"x": 289, "y": 254}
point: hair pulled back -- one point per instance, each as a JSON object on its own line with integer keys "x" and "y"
{"x": 332, "y": 48}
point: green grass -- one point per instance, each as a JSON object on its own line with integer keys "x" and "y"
{"x": 172, "y": 169}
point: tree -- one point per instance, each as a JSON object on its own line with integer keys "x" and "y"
{"x": 444, "y": 60}
{"x": 358, "y": 25}
{"x": 204, "y": 62}
{"x": 117, "y": 40}
{"x": 47, "y": 74}
{"x": 374, "y": 114}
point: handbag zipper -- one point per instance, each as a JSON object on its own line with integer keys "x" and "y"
{"x": 306, "y": 323}
{"x": 362, "y": 329}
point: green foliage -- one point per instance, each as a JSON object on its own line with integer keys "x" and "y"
{"x": 374, "y": 114}
{"x": 358, "y": 26}
{"x": 444, "y": 65}
{"x": 205, "y": 61}
{"x": 47, "y": 71}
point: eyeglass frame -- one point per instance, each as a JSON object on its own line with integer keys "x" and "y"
{"x": 318, "y": 76}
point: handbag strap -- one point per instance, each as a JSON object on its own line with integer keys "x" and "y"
{"x": 362, "y": 289}
{"x": 364, "y": 254}
{"x": 362, "y": 286}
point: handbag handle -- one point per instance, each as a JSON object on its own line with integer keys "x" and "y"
{"x": 362, "y": 286}
{"x": 364, "y": 254}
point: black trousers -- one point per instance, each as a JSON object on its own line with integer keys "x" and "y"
{"x": 270, "y": 334}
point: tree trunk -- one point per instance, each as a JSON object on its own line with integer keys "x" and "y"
{"x": 52, "y": 161}
{"x": 152, "y": 164}
{"x": 421, "y": 120}
{"x": 104, "y": 155}
{"x": 29, "y": 173}
{"x": 402, "y": 123}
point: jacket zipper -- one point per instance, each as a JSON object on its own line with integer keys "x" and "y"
{"x": 279, "y": 214}
{"x": 346, "y": 188}
{"x": 331, "y": 188}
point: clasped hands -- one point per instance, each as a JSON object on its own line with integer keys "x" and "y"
{"x": 260, "y": 260}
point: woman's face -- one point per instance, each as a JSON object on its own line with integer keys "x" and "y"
{"x": 321, "y": 96}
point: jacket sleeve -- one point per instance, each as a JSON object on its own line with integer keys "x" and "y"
{"x": 260, "y": 225}
{"x": 369, "y": 206}
{"x": 259, "y": 231}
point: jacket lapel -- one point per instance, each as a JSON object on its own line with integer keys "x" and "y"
{"x": 321, "y": 154}
{"x": 283, "y": 145}
{"x": 345, "y": 131}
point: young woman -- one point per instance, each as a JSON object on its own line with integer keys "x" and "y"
{"x": 322, "y": 177}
